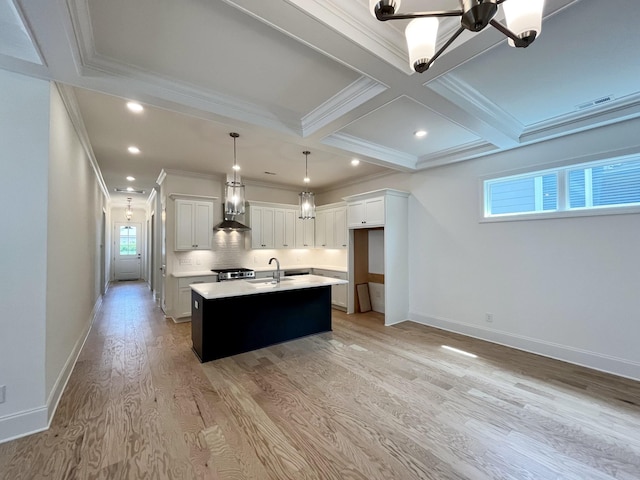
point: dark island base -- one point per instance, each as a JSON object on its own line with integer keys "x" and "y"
{"x": 228, "y": 326}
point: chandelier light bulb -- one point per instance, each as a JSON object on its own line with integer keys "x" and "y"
{"x": 524, "y": 18}
{"x": 421, "y": 34}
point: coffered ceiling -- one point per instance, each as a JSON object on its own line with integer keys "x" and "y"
{"x": 323, "y": 75}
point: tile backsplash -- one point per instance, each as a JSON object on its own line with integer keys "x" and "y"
{"x": 229, "y": 251}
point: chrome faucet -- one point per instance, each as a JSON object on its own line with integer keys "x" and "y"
{"x": 276, "y": 277}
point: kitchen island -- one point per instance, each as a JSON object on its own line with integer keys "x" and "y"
{"x": 233, "y": 317}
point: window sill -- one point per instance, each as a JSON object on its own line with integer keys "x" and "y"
{"x": 587, "y": 212}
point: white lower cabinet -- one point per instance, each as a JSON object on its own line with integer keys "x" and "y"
{"x": 183, "y": 304}
{"x": 338, "y": 292}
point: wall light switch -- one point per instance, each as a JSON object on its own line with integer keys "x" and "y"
{"x": 3, "y": 393}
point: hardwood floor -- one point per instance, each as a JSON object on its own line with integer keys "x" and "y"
{"x": 364, "y": 402}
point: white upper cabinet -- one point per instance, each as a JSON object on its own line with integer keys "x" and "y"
{"x": 340, "y": 226}
{"x": 366, "y": 213}
{"x": 305, "y": 233}
{"x": 262, "y": 227}
{"x": 194, "y": 224}
{"x": 331, "y": 227}
{"x": 285, "y": 228}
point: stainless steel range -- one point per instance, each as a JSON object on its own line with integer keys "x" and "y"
{"x": 225, "y": 274}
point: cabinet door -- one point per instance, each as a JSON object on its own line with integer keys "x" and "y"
{"x": 374, "y": 211}
{"x": 255, "y": 214}
{"x": 305, "y": 233}
{"x": 290, "y": 228}
{"x": 339, "y": 295}
{"x": 284, "y": 228}
{"x": 202, "y": 225}
{"x": 279, "y": 228}
{"x": 355, "y": 214}
{"x": 330, "y": 230}
{"x": 262, "y": 227}
{"x": 184, "y": 225}
{"x": 268, "y": 238}
{"x": 340, "y": 225}
{"x": 321, "y": 229}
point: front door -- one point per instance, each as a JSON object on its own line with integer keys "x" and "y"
{"x": 128, "y": 251}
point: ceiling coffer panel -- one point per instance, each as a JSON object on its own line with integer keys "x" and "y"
{"x": 214, "y": 47}
{"x": 395, "y": 124}
{"x": 567, "y": 70}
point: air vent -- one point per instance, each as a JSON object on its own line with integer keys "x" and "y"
{"x": 596, "y": 103}
{"x": 269, "y": 173}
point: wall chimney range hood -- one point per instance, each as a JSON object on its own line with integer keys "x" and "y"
{"x": 230, "y": 224}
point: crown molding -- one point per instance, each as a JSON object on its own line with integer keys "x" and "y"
{"x": 469, "y": 99}
{"x": 351, "y": 97}
{"x": 619, "y": 110}
{"x": 354, "y": 21}
{"x": 184, "y": 173}
{"x": 456, "y": 154}
{"x": 168, "y": 88}
{"x": 391, "y": 157}
{"x": 73, "y": 110}
{"x": 357, "y": 181}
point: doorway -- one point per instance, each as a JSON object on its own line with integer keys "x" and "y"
{"x": 128, "y": 251}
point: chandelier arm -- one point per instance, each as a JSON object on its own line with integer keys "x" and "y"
{"x": 519, "y": 42}
{"x": 407, "y": 16}
{"x": 424, "y": 68}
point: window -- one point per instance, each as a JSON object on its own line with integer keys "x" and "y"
{"x": 586, "y": 187}
{"x": 128, "y": 240}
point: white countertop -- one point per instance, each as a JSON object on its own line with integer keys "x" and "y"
{"x": 198, "y": 273}
{"x": 238, "y": 288}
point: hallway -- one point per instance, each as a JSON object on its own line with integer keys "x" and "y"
{"x": 363, "y": 402}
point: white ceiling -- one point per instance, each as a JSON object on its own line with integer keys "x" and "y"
{"x": 322, "y": 75}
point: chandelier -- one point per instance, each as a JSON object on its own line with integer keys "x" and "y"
{"x": 234, "y": 191}
{"x": 306, "y": 198}
{"x": 523, "y": 17}
{"x": 128, "y": 213}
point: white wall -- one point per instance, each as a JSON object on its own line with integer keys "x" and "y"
{"x": 398, "y": 181}
{"x": 75, "y": 204}
{"x": 567, "y": 288}
{"x": 24, "y": 143}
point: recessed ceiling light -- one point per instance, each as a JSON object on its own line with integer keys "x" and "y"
{"x": 355, "y": 162}
{"x": 269, "y": 173}
{"x": 421, "y": 133}
{"x": 130, "y": 178}
{"x": 133, "y": 150}
{"x": 135, "y": 107}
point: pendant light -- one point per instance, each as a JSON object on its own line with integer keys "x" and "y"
{"x": 128, "y": 213}
{"x": 234, "y": 191}
{"x": 306, "y": 198}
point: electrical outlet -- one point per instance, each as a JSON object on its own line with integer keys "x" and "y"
{"x": 3, "y": 393}
{"x": 488, "y": 317}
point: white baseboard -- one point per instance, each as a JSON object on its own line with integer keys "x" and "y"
{"x": 65, "y": 374}
{"x": 585, "y": 358}
{"x": 22, "y": 424}
{"x": 39, "y": 419}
